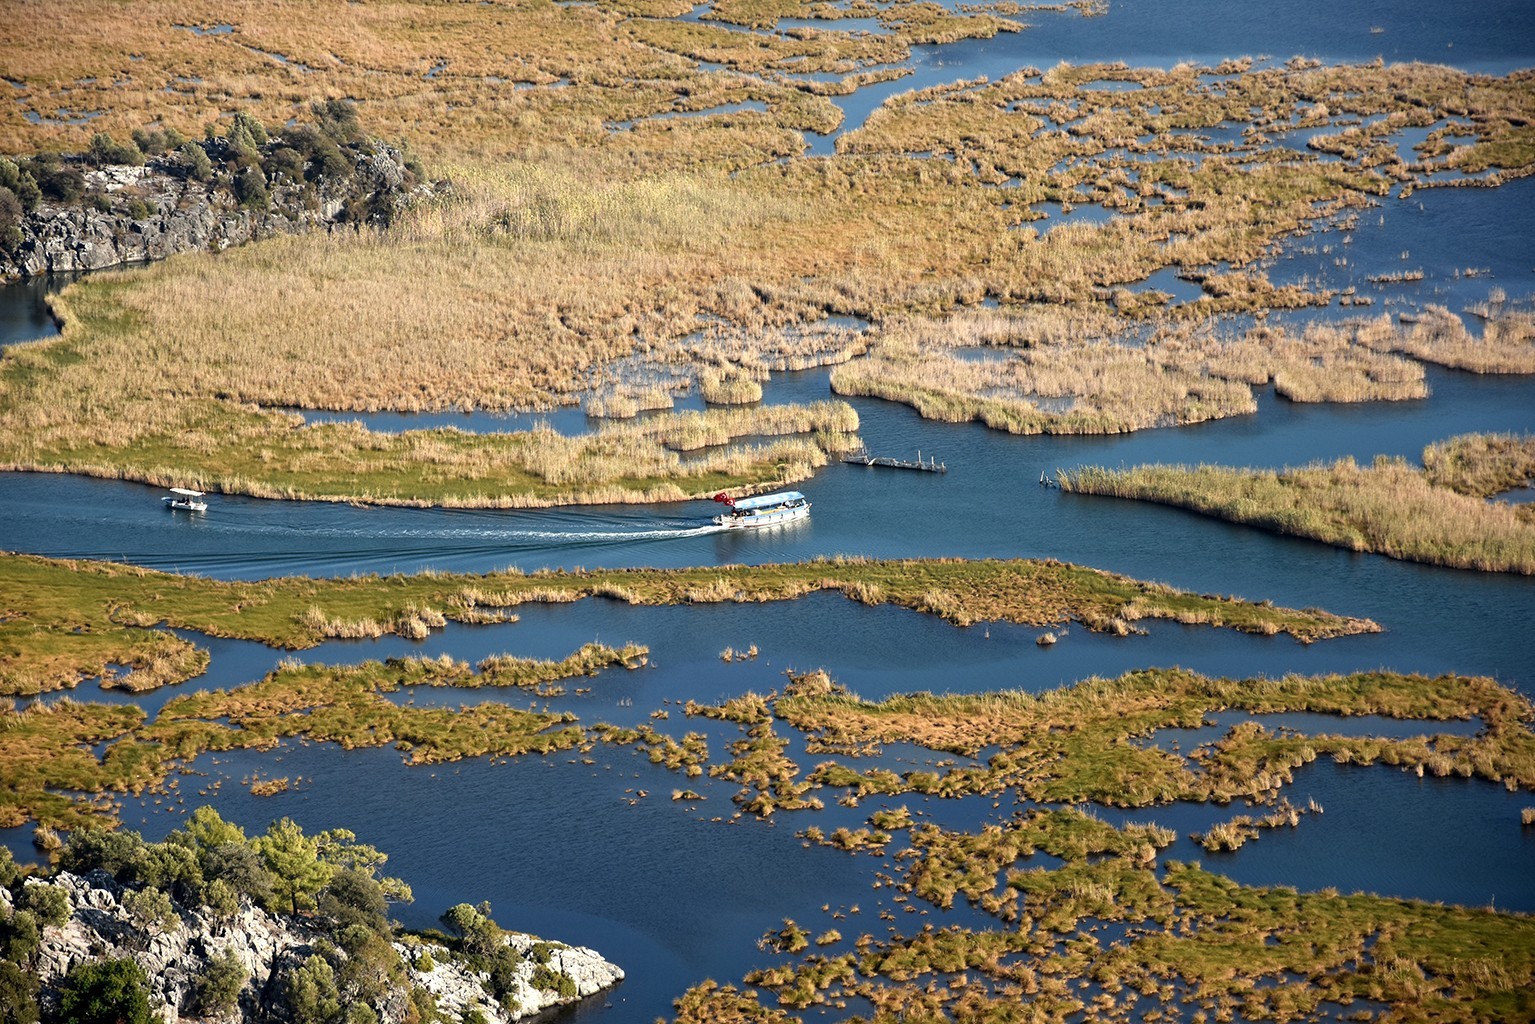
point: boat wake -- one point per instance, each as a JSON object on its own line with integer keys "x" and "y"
{"x": 601, "y": 536}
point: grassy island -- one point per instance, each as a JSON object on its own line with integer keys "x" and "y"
{"x": 66, "y": 620}
{"x": 1436, "y": 514}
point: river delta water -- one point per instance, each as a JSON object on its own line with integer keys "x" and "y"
{"x": 678, "y": 892}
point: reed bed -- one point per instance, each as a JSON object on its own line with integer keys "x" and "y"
{"x": 1072, "y": 387}
{"x": 1076, "y": 371}
{"x": 1075, "y": 744}
{"x": 588, "y": 247}
{"x": 111, "y": 604}
{"x": 1506, "y": 344}
{"x": 1389, "y": 508}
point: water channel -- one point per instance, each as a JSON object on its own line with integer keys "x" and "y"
{"x": 566, "y": 849}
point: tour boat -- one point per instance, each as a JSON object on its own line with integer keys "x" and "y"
{"x": 186, "y": 499}
{"x": 763, "y": 510}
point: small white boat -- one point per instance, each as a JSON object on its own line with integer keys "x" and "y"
{"x": 186, "y": 500}
{"x": 763, "y": 510}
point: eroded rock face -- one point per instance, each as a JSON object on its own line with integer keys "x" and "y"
{"x": 272, "y": 947}
{"x": 187, "y": 214}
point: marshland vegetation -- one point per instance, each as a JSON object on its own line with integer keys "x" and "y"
{"x": 1436, "y": 514}
{"x": 590, "y": 233}
{"x": 1181, "y": 940}
{"x": 1094, "y": 741}
{"x": 1112, "y": 940}
{"x": 53, "y": 776}
{"x": 571, "y": 249}
{"x": 1075, "y": 744}
{"x": 66, "y": 620}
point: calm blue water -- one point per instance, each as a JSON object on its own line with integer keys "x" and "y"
{"x": 24, "y": 311}
{"x": 675, "y": 896}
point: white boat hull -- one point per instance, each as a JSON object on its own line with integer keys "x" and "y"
{"x": 753, "y": 520}
{"x": 186, "y": 505}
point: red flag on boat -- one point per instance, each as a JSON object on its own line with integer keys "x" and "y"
{"x": 725, "y": 498}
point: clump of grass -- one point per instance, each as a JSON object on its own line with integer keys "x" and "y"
{"x": 315, "y": 621}
{"x": 267, "y": 787}
{"x": 733, "y": 389}
{"x": 1481, "y": 465}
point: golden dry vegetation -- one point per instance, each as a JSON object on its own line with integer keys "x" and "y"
{"x": 1437, "y": 516}
{"x": 594, "y": 249}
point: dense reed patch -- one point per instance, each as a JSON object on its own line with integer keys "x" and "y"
{"x": 1481, "y": 465}
{"x": 1390, "y": 507}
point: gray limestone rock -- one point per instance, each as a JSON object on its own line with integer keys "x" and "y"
{"x": 181, "y": 214}
{"x": 270, "y": 948}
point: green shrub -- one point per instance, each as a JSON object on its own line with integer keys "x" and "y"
{"x": 250, "y": 189}
{"x": 239, "y": 867}
{"x": 63, "y": 184}
{"x": 220, "y": 898}
{"x": 337, "y": 119}
{"x": 195, "y": 160}
{"x": 249, "y": 125}
{"x": 49, "y": 903}
{"x": 113, "y": 991}
{"x": 173, "y": 868}
{"x": 286, "y": 161}
{"x": 478, "y": 935}
{"x": 18, "y": 993}
{"x": 154, "y": 141}
{"x": 353, "y": 897}
{"x": 10, "y": 220}
{"x": 312, "y": 994}
{"x": 324, "y": 158}
{"x": 547, "y": 979}
{"x": 119, "y": 853}
{"x": 20, "y": 937}
{"x": 503, "y": 967}
{"x": 21, "y": 183}
{"x": 106, "y": 150}
{"x": 152, "y": 911}
{"x": 219, "y": 985}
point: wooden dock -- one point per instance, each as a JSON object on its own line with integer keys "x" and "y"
{"x": 932, "y": 465}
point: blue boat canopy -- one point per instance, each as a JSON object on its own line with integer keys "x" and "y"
{"x": 768, "y": 500}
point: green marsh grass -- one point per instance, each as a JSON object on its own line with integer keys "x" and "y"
{"x": 67, "y": 620}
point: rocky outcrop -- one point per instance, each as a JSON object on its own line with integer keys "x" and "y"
{"x": 135, "y": 214}
{"x": 271, "y": 948}
{"x": 458, "y": 991}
